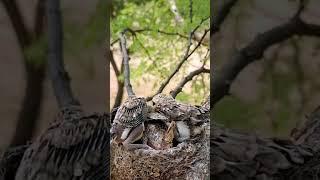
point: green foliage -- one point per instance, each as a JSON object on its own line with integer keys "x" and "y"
{"x": 157, "y": 54}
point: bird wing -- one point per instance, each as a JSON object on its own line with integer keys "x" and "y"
{"x": 71, "y": 148}
{"x": 131, "y": 114}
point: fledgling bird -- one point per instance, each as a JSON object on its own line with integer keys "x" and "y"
{"x": 187, "y": 117}
{"x": 128, "y": 124}
{"x": 179, "y": 111}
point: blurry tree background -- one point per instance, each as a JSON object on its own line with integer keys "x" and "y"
{"x": 271, "y": 95}
{"x": 158, "y": 38}
{"x": 84, "y": 47}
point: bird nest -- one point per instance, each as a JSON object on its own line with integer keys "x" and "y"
{"x": 185, "y": 160}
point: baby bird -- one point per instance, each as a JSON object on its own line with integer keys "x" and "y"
{"x": 178, "y": 111}
{"x": 186, "y": 116}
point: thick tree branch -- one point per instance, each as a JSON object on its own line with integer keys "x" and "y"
{"x": 30, "y": 107}
{"x": 39, "y": 18}
{"x": 186, "y": 79}
{"x": 221, "y": 15}
{"x": 254, "y": 51}
{"x": 123, "y": 45}
{"x": 58, "y": 75}
{"x": 19, "y": 27}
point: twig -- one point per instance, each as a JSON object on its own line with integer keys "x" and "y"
{"x": 183, "y": 60}
{"x": 123, "y": 45}
{"x": 133, "y": 32}
{"x": 57, "y": 73}
{"x": 188, "y": 78}
{"x": 222, "y": 81}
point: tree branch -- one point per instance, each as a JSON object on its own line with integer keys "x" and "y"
{"x": 133, "y": 32}
{"x": 187, "y": 54}
{"x": 221, "y": 15}
{"x": 58, "y": 75}
{"x": 123, "y": 45}
{"x": 35, "y": 76}
{"x": 254, "y": 51}
{"x": 188, "y": 78}
{"x": 39, "y": 18}
{"x": 17, "y": 22}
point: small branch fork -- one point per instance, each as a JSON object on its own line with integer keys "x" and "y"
{"x": 187, "y": 54}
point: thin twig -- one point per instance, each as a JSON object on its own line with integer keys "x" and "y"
{"x": 133, "y": 32}
{"x": 183, "y": 60}
{"x": 188, "y": 78}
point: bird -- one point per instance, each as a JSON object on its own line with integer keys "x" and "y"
{"x": 128, "y": 124}
{"x": 75, "y": 146}
{"x": 179, "y": 111}
{"x": 187, "y": 117}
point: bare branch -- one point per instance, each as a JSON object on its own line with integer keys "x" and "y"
{"x": 123, "y": 45}
{"x": 254, "y": 51}
{"x": 188, "y": 78}
{"x": 133, "y": 32}
{"x": 17, "y": 22}
{"x": 221, "y": 15}
{"x": 39, "y": 18}
{"x": 183, "y": 60}
{"x": 58, "y": 75}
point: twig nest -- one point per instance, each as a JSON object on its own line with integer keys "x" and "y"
{"x": 186, "y": 160}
